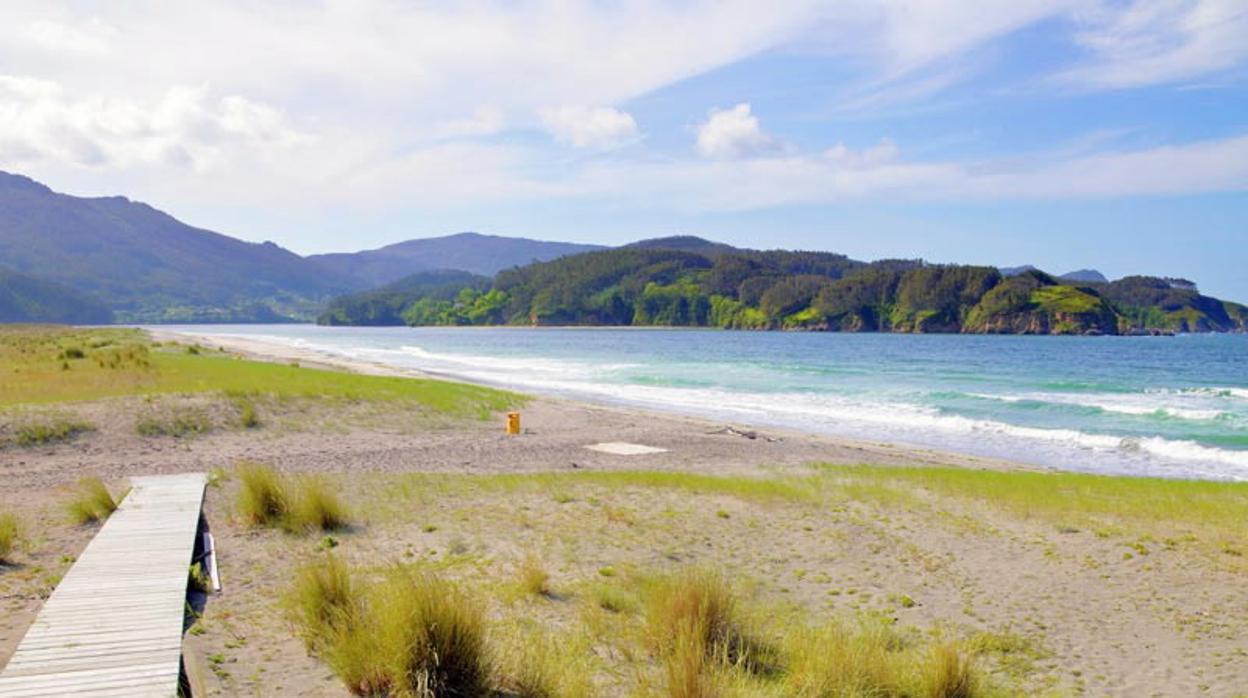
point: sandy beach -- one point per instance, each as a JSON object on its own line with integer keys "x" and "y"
{"x": 1088, "y": 612}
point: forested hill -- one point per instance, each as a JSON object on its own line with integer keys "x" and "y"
{"x": 703, "y": 284}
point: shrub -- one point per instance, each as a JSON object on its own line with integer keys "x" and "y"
{"x": 10, "y": 534}
{"x": 262, "y": 495}
{"x": 74, "y": 353}
{"x": 317, "y": 506}
{"x": 91, "y": 502}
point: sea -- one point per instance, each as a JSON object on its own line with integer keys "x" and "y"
{"x": 1157, "y": 406}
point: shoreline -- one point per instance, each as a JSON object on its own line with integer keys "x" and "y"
{"x": 875, "y": 452}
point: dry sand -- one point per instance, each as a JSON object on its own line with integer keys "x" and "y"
{"x": 1171, "y": 624}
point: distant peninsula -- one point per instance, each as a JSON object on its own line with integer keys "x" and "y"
{"x": 690, "y": 282}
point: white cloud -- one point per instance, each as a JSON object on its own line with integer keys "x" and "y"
{"x": 484, "y": 121}
{"x": 589, "y": 127}
{"x": 40, "y": 120}
{"x": 879, "y": 174}
{"x": 1159, "y": 41}
{"x": 733, "y": 133}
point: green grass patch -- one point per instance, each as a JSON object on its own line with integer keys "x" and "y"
{"x": 1064, "y": 299}
{"x": 130, "y": 364}
{"x": 1133, "y": 506}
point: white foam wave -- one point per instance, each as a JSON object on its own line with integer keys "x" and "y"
{"x": 1114, "y": 403}
{"x": 514, "y": 365}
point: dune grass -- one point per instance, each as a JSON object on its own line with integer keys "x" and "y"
{"x": 10, "y": 535}
{"x": 874, "y": 659}
{"x": 317, "y": 505}
{"x": 321, "y": 600}
{"x": 269, "y": 499}
{"x": 532, "y": 577}
{"x": 1172, "y": 512}
{"x": 43, "y": 428}
{"x": 90, "y": 502}
{"x": 408, "y": 634}
{"x": 263, "y": 498}
{"x": 117, "y": 362}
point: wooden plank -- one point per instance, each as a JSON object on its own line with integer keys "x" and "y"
{"x": 113, "y": 626}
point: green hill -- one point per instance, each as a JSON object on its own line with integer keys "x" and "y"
{"x": 697, "y": 283}
{"x": 24, "y": 298}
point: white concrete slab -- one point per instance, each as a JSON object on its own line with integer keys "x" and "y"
{"x": 621, "y": 448}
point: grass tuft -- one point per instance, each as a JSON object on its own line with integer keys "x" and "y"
{"x": 949, "y": 674}
{"x": 266, "y": 498}
{"x": 178, "y": 422}
{"x": 317, "y": 506}
{"x": 408, "y": 634}
{"x": 10, "y": 535}
{"x": 262, "y": 494}
{"x": 532, "y": 577}
{"x": 322, "y": 601}
{"x": 697, "y": 608}
{"x": 91, "y": 502}
{"x": 43, "y": 429}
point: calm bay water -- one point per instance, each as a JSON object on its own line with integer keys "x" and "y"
{"x": 1168, "y": 406}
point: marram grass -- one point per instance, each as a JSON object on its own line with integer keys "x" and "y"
{"x": 267, "y": 498}
{"x": 91, "y": 501}
{"x": 10, "y": 535}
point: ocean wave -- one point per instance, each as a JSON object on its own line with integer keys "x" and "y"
{"x": 1236, "y": 393}
{"x": 516, "y": 364}
{"x": 1116, "y": 404}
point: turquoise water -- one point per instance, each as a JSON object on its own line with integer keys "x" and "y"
{"x": 1169, "y": 406}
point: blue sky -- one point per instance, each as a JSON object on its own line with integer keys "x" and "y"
{"x": 1064, "y": 134}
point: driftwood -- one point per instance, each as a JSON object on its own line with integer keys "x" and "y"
{"x": 747, "y": 433}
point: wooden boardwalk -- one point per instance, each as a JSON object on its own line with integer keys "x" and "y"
{"x": 113, "y": 626}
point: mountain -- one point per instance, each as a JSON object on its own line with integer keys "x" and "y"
{"x": 1085, "y": 275}
{"x": 148, "y": 266}
{"x": 472, "y": 252}
{"x": 25, "y": 298}
{"x": 694, "y": 282}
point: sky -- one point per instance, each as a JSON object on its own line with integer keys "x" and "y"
{"x": 1067, "y": 135}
